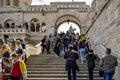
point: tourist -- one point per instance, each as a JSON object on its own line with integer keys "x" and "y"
{"x": 71, "y": 65}
{"x": 91, "y": 63}
{"x": 18, "y": 48}
{"x": 18, "y": 71}
{"x": 6, "y": 70}
{"x": 83, "y": 37}
{"x": 45, "y": 44}
{"x": 88, "y": 44}
{"x": 82, "y": 51}
{"x": 108, "y": 63}
{"x": 23, "y": 45}
{"x": 5, "y": 53}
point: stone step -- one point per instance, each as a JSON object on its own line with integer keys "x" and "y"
{"x": 50, "y": 67}
{"x": 55, "y": 72}
{"x": 53, "y": 65}
{"x": 62, "y": 79}
{"x": 58, "y": 75}
{"x": 56, "y": 69}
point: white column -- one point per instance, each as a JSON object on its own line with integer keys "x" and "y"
{"x": 11, "y": 2}
{"x": 4, "y": 2}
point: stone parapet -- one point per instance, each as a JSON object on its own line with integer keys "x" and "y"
{"x": 13, "y": 30}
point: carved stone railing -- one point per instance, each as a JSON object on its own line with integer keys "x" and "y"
{"x": 13, "y": 30}
{"x": 33, "y": 50}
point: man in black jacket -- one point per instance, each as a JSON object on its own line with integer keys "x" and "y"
{"x": 91, "y": 63}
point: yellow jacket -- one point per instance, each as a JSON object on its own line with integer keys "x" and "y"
{"x": 23, "y": 69}
{"x": 83, "y": 37}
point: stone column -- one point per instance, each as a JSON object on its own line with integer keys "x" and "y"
{"x": 29, "y": 26}
{"x": 11, "y": 2}
{"x": 35, "y": 27}
{"x": 4, "y": 2}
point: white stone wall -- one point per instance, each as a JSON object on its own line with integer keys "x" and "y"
{"x": 105, "y": 30}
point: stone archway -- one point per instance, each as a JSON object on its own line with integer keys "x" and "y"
{"x": 67, "y": 18}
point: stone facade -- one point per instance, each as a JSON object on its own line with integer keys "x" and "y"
{"x": 42, "y": 20}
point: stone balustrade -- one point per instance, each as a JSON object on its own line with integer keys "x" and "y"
{"x": 13, "y": 30}
{"x": 33, "y": 50}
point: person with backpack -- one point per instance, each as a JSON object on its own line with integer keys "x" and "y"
{"x": 71, "y": 65}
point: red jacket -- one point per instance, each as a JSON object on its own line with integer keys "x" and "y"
{"x": 16, "y": 70}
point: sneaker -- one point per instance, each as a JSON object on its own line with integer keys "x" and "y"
{"x": 82, "y": 62}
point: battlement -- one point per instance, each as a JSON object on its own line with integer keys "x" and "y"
{"x": 54, "y": 6}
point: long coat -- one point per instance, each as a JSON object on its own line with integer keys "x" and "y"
{"x": 71, "y": 57}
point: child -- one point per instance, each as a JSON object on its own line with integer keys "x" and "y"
{"x": 6, "y": 70}
{"x": 19, "y": 71}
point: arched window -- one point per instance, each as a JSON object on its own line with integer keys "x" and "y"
{"x": 9, "y": 23}
{"x": 32, "y": 27}
{"x": 43, "y": 27}
{"x": 26, "y": 25}
{"x": 36, "y": 24}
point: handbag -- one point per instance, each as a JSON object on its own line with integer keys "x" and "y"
{"x": 101, "y": 73}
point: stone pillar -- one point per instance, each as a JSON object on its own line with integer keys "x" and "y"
{"x": 11, "y": 2}
{"x": 4, "y": 2}
{"x": 35, "y": 27}
{"x": 29, "y": 26}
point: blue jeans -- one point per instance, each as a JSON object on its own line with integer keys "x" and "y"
{"x": 108, "y": 75}
{"x": 73, "y": 75}
{"x": 82, "y": 54}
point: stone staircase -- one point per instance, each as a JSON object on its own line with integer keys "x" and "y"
{"x": 50, "y": 67}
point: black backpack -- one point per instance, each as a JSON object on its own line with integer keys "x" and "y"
{"x": 19, "y": 51}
